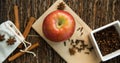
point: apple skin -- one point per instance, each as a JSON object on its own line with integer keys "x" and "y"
{"x": 58, "y": 26}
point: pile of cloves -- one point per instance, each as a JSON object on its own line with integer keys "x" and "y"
{"x": 79, "y": 46}
{"x": 108, "y": 40}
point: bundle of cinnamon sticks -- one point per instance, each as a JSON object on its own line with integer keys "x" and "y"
{"x": 25, "y": 33}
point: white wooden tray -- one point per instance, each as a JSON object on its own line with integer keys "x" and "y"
{"x": 60, "y": 48}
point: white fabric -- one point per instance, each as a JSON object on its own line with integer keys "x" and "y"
{"x": 9, "y": 30}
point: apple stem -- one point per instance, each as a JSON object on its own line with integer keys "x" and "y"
{"x": 60, "y": 23}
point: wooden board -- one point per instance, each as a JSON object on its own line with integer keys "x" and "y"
{"x": 60, "y": 48}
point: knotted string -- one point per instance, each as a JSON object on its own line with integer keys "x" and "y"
{"x": 26, "y": 48}
{"x": 15, "y": 31}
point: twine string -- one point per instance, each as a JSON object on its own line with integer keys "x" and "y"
{"x": 27, "y": 47}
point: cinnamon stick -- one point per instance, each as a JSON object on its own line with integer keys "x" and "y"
{"x": 21, "y": 53}
{"x": 16, "y": 16}
{"x": 27, "y": 28}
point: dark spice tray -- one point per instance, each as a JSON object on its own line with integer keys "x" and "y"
{"x": 106, "y": 40}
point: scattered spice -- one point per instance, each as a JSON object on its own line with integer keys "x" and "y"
{"x": 78, "y": 29}
{"x": 87, "y": 53}
{"x": 2, "y": 37}
{"x": 80, "y": 49}
{"x": 72, "y": 51}
{"x": 90, "y": 49}
{"x": 64, "y": 43}
{"x": 77, "y": 41}
{"x": 83, "y": 46}
{"x": 79, "y": 46}
{"x": 11, "y": 41}
{"x": 69, "y": 39}
{"x": 74, "y": 46}
{"x": 108, "y": 40}
{"x": 72, "y": 42}
{"x": 61, "y": 6}
{"x": 81, "y": 29}
{"x": 81, "y": 34}
{"x": 82, "y": 41}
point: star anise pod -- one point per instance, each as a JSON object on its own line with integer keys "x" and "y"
{"x": 72, "y": 51}
{"x": 2, "y": 37}
{"x": 11, "y": 41}
{"x": 61, "y": 6}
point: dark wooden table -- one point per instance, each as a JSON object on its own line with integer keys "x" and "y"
{"x": 95, "y": 13}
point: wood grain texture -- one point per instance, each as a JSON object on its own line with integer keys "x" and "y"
{"x": 95, "y": 13}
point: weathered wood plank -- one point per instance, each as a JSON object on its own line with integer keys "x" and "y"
{"x": 95, "y": 13}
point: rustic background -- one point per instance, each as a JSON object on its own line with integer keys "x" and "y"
{"x": 95, "y": 13}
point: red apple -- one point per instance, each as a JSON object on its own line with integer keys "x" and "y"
{"x": 58, "y": 26}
